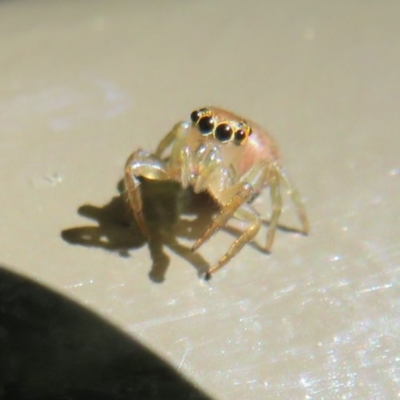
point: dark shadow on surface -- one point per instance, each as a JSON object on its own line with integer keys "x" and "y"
{"x": 170, "y": 212}
{"x": 51, "y": 348}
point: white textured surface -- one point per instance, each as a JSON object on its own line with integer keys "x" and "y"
{"x": 83, "y": 84}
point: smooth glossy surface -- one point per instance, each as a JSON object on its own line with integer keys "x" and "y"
{"x": 85, "y": 83}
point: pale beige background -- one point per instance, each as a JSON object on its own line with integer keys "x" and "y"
{"x": 85, "y": 83}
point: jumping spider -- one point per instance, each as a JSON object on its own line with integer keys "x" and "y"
{"x": 231, "y": 158}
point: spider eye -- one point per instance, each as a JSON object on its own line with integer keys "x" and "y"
{"x": 240, "y": 136}
{"x": 223, "y": 133}
{"x": 206, "y": 125}
{"x": 195, "y": 116}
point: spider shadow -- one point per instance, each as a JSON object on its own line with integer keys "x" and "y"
{"x": 171, "y": 213}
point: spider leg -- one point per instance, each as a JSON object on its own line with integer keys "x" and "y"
{"x": 235, "y": 196}
{"x": 242, "y": 193}
{"x": 180, "y": 161}
{"x": 276, "y": 201}
{"x": 246, "y": 213}
{"x": 268, "y": 173}
{"x": 170, "y": 137}
{"x": 141, "y": 163}
{"x": 296, "y": 198}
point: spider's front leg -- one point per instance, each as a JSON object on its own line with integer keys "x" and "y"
{"x": 152, "y": 166}
{"x": 176, "y": 159}
{"x": 238, "y": 195}
{"x": 235, "y": 199}
{"x": 244, "y": 213}
{"x": 142, "y": 164}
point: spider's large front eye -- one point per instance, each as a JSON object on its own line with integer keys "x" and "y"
{"x": 206, "y": 125}
{"x": 223, "y": 133}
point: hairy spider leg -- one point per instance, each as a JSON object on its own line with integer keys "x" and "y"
{"x": 296, "y": 199}
{"x": 142, "y": 164}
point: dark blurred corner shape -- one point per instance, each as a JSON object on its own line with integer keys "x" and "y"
{"x": 52, "y": 348}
